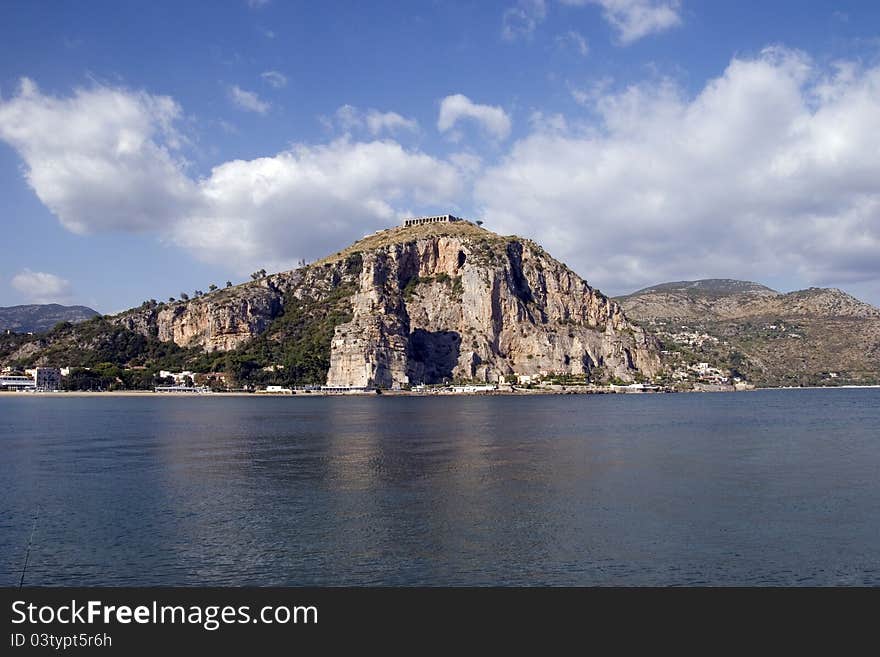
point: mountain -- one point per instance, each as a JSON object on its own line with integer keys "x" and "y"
{"x": 407, "y": 305}
{"x": 707, "y": 287}
{"x": 817, "y": 336}
{"x": 37, "y": 318}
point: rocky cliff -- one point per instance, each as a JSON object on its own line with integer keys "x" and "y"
{"x": 456, "y": 302}
{"x": 421, "y": 304}
{"x": 219, "y": 321}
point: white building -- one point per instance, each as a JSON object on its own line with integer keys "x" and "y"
{"x": 474, "y": 388}
{"x": 278, "y": 390}
{"x": 13, "y": 382}
{"x": 179, "y": 377}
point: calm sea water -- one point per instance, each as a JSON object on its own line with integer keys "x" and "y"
{"x": 771, "y": 487}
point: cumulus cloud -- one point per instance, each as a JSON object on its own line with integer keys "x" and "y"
{"x": 102, "y": 159}
{"x": 274, "y": 78}
{"x": 42, "y": 287}
{"x": 378, "y": 122}
{"x": 492, "y": 119}
{"x": 771, "y": 171}
{"x": 520, "y": 20}
{"x": 634, "y": 19}
{"x": 247, "y": 100}
{"x": 307, "y": 201}
{"x": 349, "y": 118}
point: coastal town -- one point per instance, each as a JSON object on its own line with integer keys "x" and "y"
{"x": 700, "y": 377}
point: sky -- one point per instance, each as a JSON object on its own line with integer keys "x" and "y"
{"x": 153, "y": 148}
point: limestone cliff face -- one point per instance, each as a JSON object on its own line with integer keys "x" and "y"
{"x": 427, "y": 304}
{"x": 218, "y": 321}
{"x": 456, "y": 302}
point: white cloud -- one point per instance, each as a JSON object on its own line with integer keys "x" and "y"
{"x": 771, "y": 172}
{"x": 257, "y": 4}
{"x": 520, "y": 20}
{"x": 274, "y": 78}
{"x": 247, "y": 100}
{"x": 493, "y": 119}
{"x": 378, "y": 122}
{"x": 634, "y": 19}
{"x": 468, "y": 163}
{"x": 308, "y": 201}
{"x": 102, "y": 159}
{"x": 574, "y": 39}
{"x": 42, "y": 287}
{"x": 349, "y": 118}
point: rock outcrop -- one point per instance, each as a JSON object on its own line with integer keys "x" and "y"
{"x": 422, "y": 304}
{"x": 219, "y": 321}
{"x": 456, "y": 302}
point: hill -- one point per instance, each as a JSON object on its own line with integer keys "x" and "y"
{"x": 707, "y": 287}
{"x": 421, "y": 304}
{"x": 817, "y": 336}
{"x": 38, "y": 318}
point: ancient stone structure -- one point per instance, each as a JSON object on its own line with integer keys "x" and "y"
{"x": 437, "y": 219}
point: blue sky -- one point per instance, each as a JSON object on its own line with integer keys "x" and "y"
{"x": 149, "y": 148}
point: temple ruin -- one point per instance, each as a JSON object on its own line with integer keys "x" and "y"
{"x": 437, "y": 219}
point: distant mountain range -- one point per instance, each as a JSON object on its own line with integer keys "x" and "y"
{"x": 817, "y": 336}
{"x": 38, "y": 318}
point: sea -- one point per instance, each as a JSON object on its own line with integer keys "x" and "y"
{"x": 770, "y": 488}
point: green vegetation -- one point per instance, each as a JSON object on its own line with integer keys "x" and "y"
{"x": 99, "y": 341}
{"x": 410, "y": 288}
{"x": 569, "y": 379}
{"x": 299, "y": 341}
{"x": 105, "y": 355}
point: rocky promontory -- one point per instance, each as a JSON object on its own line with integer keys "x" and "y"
{"x": 410, "y": 305}
{"x": 457, "y": 302}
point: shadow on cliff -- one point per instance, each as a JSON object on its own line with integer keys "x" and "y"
{"x": 434, "y": 353}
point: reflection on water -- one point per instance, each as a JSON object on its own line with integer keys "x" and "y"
{"x": 776, "y": 487}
